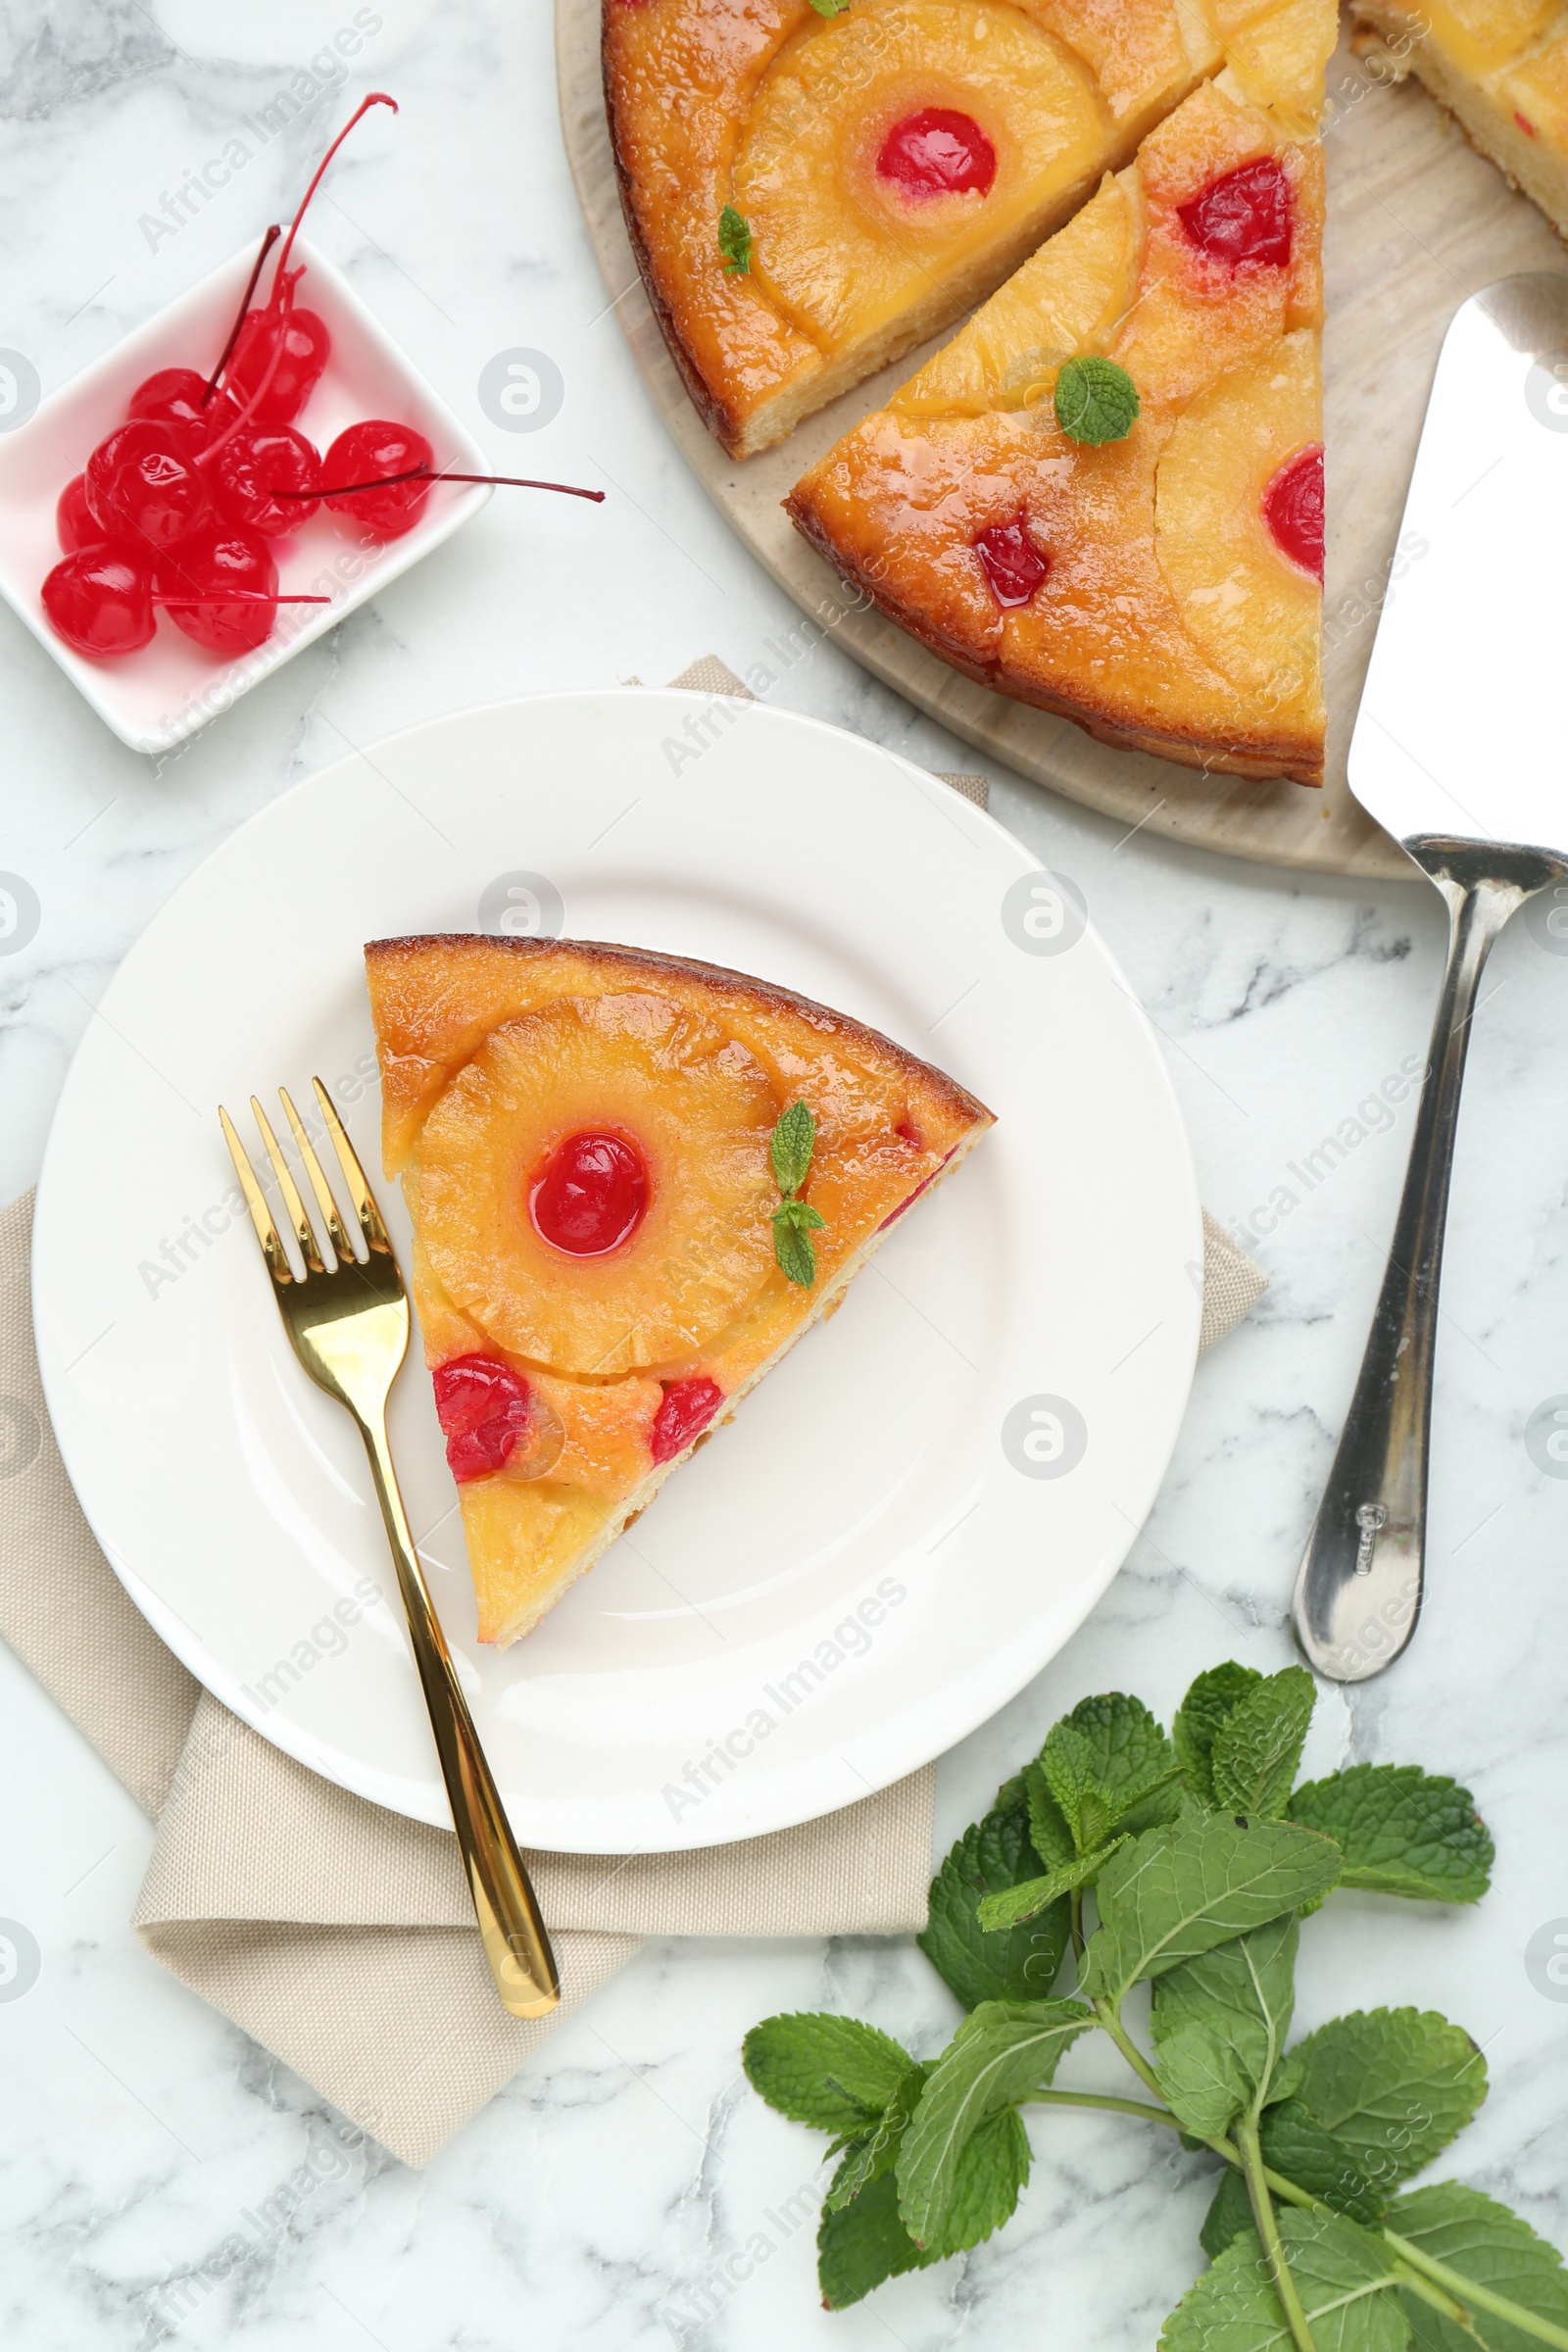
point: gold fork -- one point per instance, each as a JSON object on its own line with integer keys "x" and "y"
{"x": 349, "y": 1329}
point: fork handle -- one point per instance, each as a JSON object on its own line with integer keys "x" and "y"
{"x": 515, "y": 1942}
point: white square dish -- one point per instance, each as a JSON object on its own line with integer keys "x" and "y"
{"x": 155, "y": 698}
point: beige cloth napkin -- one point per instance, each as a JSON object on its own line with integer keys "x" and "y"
{"x": 339, "y": 1935}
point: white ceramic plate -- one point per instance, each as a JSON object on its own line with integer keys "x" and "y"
{"x": 909, "y": 1516}
{"x": 158, "y": 697}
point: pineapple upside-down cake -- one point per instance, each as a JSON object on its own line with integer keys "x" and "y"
{"x": 634, "y": 1182}
{"x": 815, "y": 186}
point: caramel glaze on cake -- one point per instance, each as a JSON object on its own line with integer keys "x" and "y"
{"x": 784, "y": 113}
{"x": 617, "y": 1362}
{"x": 1166, "y": 618}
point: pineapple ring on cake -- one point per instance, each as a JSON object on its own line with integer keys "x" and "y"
{"x": 1163, "y": 589}
{"x": 582, "y": 1136}
{"x": 848, "y": 241}
{"x": 693, "y": 1105}
{"x": 889, "y": 164}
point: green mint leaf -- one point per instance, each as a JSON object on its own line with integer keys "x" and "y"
{"x": 1485, "y": 2242}
{"x": 1202, "y": 2079}
{"x": 1258, "y": 1745}
{"x": 988, "y": 2179}
{"x": 1343, "y": 2277}
{"x": 1020, "y": 1964}
{"x": 790, "y": 1151}
{"x": 1048, "y": 1830}
{"x": 1401, "y": 1831}
{"x": 1003, "y": 2052}
{"x": 830, "y": 8}
{"x": 861, "y": 2244}
{"x": 1213, "y": 1698}
{"x": 1183, "y": 1888}
{"x": 870, "y": 2154}
{"x": 735, "y": 242}
{"x": 1066, "y": 1765}
{"x": 1108, "y": 1766}
{"x": 792, "y": 1226}
{"x": 1096, "y": 400}
{"x": 1395, "y": 2084}
{"x": 1243, "y": 1994}
{"x": 1016, "y": 1903}
{"x": 829, "y": 2071}
{"x": 1296, "y": 2143}
{"x": 1229, "y": 2216}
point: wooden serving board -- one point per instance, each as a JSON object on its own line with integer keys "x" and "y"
{"x": 1416, "y": 222}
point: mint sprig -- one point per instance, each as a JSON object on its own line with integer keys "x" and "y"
{"x": 830, "y": 8}
{"x": 1199, "y": 1861}
{"x": 1096, "y": 400}
{"x": 735, "y": 242}
{"x": 795, "y": 1220}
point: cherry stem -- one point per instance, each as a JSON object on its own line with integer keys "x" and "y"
{"x": 422, "y": 473}
{"x": 268, "y": 242}
{"x": 236, "y": 596}
{"x": 376, "y": 98}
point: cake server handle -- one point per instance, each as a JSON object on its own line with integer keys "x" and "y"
{"x": 1359, "y": 1589}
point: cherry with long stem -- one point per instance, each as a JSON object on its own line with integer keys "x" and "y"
{"x": 280, "y": 301}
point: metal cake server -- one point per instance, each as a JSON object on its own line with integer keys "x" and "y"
{"x": 1460, "y": 750}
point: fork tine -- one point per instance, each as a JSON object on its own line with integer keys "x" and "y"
{"x": 319, "y": 1184}
{"x": 360, "y": 1193}
{"x": 255, "y": 1200}
{"x": 310, "y": 1250}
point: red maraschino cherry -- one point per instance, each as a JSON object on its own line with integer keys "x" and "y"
{"x": 380, "y": 473}
{"x": 482, "y": 1407}
{"x": 1293, "y": 509}
{"x": 937, "y": 152}
{"x": 193, "y": 580}
{"x": 248, "y": 471}
{"x": 591, "y": 1194}
{"x": 302, "y": 346}
{"x": 1244, "y": 215}
{"x": 1011, "y": 560}
{"x": 74, "y": 522}
{"x": 686, "y": 1409}
{"x": 99, "y": 600}
{"x": 139, "y": 486}
{"x": 174, "y": 398}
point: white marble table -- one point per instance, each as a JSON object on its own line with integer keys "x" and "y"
{"x": 630, "y": 2159}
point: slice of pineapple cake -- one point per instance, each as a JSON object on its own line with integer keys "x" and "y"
{"x": 634, "y": 1182}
